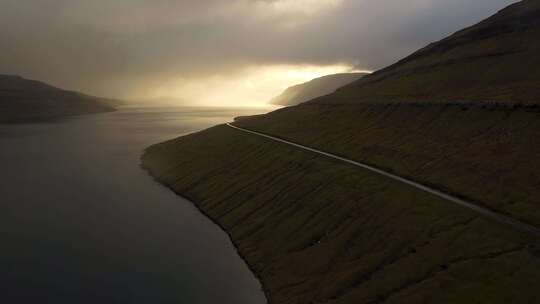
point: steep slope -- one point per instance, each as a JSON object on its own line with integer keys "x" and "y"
{"x": 487, "y": 155}
{"x": 495, "y": 60}
{"x": 319, "y": 231}
{"x": 23, "y": 100}
{"x": 315, "y": 88}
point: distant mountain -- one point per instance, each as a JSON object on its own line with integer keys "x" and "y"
{"x": 315, "y": 88}
{"x": 23, "y": 100}
{"x": 495, "y": 60}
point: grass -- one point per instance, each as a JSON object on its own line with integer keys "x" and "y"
{"x": 317, "y": 230}
{"x": 496, "y": 60}
{"x": 488, "y": 155}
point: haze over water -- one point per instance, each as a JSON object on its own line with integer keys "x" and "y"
{"x": 82, "y": 223}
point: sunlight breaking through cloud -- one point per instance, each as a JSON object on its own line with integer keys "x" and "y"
{"x": 307, "y": 7}
{"x": 252, "y": 87}
{"x": 137, "y": 48}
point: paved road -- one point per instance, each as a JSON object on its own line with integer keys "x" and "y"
{"x": 481, "y": 210}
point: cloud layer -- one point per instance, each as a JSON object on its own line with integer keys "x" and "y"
{"x": 126, "y": 48}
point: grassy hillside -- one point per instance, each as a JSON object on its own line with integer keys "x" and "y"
{"x": 490, "y": 155}
{"x": 320, "y": 231}
{"x": 495, "y": 60}
{"x": 462, "y": 115}
{"x": 23, "y": 100}
{"x": 315, "y": 88}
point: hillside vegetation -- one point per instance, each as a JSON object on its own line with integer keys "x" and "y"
{"x": 462, "y": 115}
{"x": 319, "y": 231}
{"x": 494, "y": 61}
{"x": 23, "y": 100}
{"x": 487, "y": 155}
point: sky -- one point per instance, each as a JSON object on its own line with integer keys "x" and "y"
{"x": 216, "y": 52}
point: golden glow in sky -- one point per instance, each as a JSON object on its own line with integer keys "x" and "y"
{"x": 210, "y": 51}
{"x": 252, "y": 87}
{"x": 306, "y": 7}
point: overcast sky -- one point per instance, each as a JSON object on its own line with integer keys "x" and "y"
{"x": 207, "y": 50}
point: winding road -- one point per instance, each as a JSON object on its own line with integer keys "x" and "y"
{"x": 498, "y": 217}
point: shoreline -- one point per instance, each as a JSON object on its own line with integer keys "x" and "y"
{"x": 257, "y": 275}
{"x": 311, "y": 229}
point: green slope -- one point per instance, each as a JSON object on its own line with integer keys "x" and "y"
{"x": 487, "y": 155}
{"x": 319, "y": 231}
{"x": 495, "y": 60}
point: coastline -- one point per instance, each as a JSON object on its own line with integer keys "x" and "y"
{"x": 216, "y": 222}
{"x": 329, "y": 232}
{"x": 145, "y": 242}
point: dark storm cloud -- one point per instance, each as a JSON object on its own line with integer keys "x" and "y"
{"x": 111, "y": 47}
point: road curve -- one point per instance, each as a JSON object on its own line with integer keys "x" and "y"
{"x": 481, "y": 210}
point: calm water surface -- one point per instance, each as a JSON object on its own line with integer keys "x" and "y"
{"x": 80, "y": 222}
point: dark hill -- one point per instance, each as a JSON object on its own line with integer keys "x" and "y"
{"x": 315, "y": 88}
{"x": 495, "y": 60}
{"x": 23, "y": 100}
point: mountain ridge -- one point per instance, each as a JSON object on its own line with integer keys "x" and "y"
{"x": 25, "y": 100}
{"x": 314, "y": 88}
{"x": 493, "y": 61}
